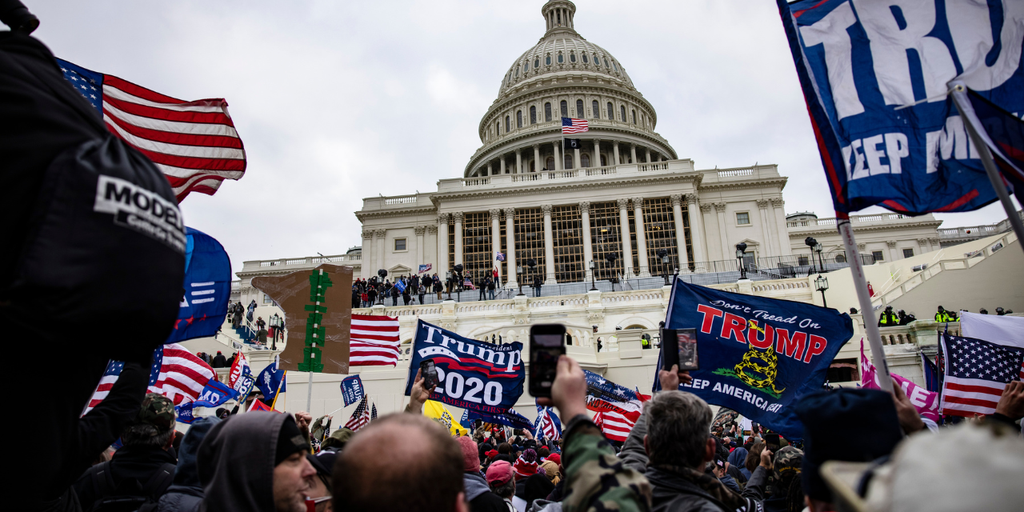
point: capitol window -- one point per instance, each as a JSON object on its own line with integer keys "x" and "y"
{"x": 399, "y": 244}
{"x": 622, "y": 110}
{"x": 579, "y": 109}
{"x": 596, "y": 109}
{"x": 634, "y": 116}
{"x": 742, "y": 218}
{"x": 508, "y": 124}
{"x": 877, "y": 255}
{"x": 519, "y": 119}
{"x": 517, "y": 72}
{"x": 549, "y": 163}
{"x": 584, "y": 160}
{"x": 572, "y": 57}
{"x": 597, "y": 61}
{"x": 526, "y": 67}
{"x": 567, "y": 160}
{"x": 536, "y": 63}
{"x": 564, "y": 108}
{"x": 584, "y": 57}
{"x": 560, "y": 60}
{"x": 606, "y": 62}
{"x": 547, "y": 60}
{"x": 547, "y": 111}
{"x": 533, "y": 115}
{"x": 611, "y": 112}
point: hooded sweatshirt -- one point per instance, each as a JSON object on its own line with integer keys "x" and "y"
{"x": 186, "y": 493}
{"x": 236, "y": 462}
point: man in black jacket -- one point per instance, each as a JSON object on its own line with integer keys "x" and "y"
{"x": 140, "y": 470}
{"x": 671, "y": 445}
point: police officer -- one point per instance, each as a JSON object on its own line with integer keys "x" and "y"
{"x": 888, "y": 318}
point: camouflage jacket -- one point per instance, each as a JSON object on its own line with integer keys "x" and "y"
{"x": 595, "y": 478}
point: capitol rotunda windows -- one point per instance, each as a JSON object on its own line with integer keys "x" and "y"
{"x": 596, "y": 109}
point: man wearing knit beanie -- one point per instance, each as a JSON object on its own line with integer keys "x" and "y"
{"x": 478, "y": 493}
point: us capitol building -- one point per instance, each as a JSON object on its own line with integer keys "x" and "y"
{"x": 613, "y": 202}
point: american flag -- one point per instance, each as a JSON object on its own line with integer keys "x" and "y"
{"x": 571, "y": 126}
{"x": 976, "y": 372}
{"x": 194, "y": 143}
{"x": 360, "y": 417}
{"x": 176, "y": 373}
{"x": 373, "y": 341}
{"x": 547, "y": 425}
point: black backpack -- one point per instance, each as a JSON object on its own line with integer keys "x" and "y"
{"x": 130, "y": 495}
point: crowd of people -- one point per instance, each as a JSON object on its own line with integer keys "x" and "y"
{"x": 414, "y": 289}
{"x": 888, "y": 318}
{"x": 674, "y": 459}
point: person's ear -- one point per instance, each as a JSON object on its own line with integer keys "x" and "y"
{"x": 461, "y": 505}
{"x": 709, "y": 450}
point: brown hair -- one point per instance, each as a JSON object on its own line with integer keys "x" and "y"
{"x": 754, "y": 456}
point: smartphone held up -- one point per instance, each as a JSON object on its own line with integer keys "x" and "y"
{"x": 547, "y": 343}
{"x": 679, "y": 347}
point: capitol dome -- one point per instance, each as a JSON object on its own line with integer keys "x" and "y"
{"x": 564, "y": 75}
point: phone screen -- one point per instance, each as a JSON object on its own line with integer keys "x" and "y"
{"x": 430, "y": 380}
{"x": 687, "y": 340}
{"x": 547, "y": 343}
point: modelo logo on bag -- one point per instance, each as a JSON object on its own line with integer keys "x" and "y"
{"x": 141, "y": 210}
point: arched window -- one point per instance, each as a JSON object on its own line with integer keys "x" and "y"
{"x": 572, "y": 57}
{"x": 547, "y": 111}
{"x": 519, "y": 118}
{"x": 533, "y": 166}
{"x": 611, "y": 112}
{"x": 606, "y": 62}
{"x": 517, "y": 72}
{"x": 615, "y": 66}
{"x": 584, "y": 160}
{"x": 536, "y": 63}
{"x": 579, "y": 109}
{"x": 597, "y": 61}
{"x": 568, "y": 161}
{"x": 533, "y": 114}
{"x": 508, "y": 124}
{"x": 604, "y": 161}
{"x": 560, "y": 58}
{"x": 526, "y": 67}
{"x": 634, "y": 116}
{"x": 549, "y": 163}
{"x": 584, "y": 57}
{"x": 622, "y": 110}
{"x": 497, "y": 128}
{"x": 547, "y": 60}
{"x": 596, "y": 109}
{"x": 564, "y": 108}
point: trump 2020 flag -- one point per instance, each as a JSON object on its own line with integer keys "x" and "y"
{"x": 758, "y": 356}
{"x": 215, "y": 394}
{"x": 183, "y": 413}
{"x": 351, "y": 390}
{"x": 472, "y": 374}
{"x": 875, "y": 76}
{"x": 206, "y": 290}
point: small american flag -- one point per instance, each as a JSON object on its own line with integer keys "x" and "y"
{"x": 425, "y": 268}
{"x": 360, "y": 417}
{"x": 571, "y": 126}
{"x": 176, "y": 373}
{"x": 194, "y": 143}
{"x": 548, "y": 425}
{"x": 976, "y": 373}
{"x": 500, "y": 256}
{"x": 373, "y": 340}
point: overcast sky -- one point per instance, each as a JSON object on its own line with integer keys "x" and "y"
{"x": 340, "y": 100}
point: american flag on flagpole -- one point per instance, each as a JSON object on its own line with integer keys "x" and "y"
{"x": 571, "y": 126}
{"x": 373, "y": 341}
{"x": 360, "y": 417}
{"x": 976, "y": 373}
{"x": 194, "y": 143}
{"x": 176, "y": 373}
{"x": 547, "y": 424}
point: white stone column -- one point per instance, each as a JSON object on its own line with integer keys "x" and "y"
{"x": 419, "y": 247}
{"x": 781, "y": 231}
{"x": 641, "y": 237}
{"x": 588, "y": 249}
{"x": 502, "y": 169}
{"x": 627, "y": 246}
{"x": 549, "y": 246}
{"x": 615, "y": 150}
{"x": 489, "y": 171}
{"x": 647, "y": 155}
{"x": 683, "y": 260}
{"x": 768, "y": 239}
{"x": 632, "y": 153}
{"x": 597, "y": 154}
{"x": 697, "y": 229}
{"x": 495, "y": 236}
{"x": 576, "y": 154}
{"x": 458, "y": 237}
{"x": 519, "y": 161}
{"x": 367, "y": 256}
{"x": 431, "y": 239}
{"x": 536, "y": 157}
{"x": 510, "y": 245}
{"x": 442, "y": 244}
{"x": 379, "y": 250}
{"x": 723, "y": 231}
{"x": 892, "y": 250}
{"x": 558, "y": 156}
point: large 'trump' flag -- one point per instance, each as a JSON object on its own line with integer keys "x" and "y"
{"x": 472, "y": 374}
{"x": 976, "y": 372}
{"x": 374, "y": 341}
{"x": 194, "y": 143}
{"x": 875, "y": 76}
{"x": 758, "y": 356}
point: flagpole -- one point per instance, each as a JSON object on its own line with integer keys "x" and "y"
{"x": 959, "y": 92}
{"x": 866, "y": 309}
{"x": 309, "y": 392}
{"x": 277, "y": 394}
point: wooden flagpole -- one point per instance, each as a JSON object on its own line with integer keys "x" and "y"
{"x": 866, "y": 310}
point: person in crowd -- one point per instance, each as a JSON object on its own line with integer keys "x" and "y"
{"x": 320, "y": 483}
{"x": 407, "y": 294}
{"x": 670, "y": 444}
{"x": 250, "y": 310}
{"x": 438, "y": 287}
{"x": 478, "y": 493}
{"x": 906, "y": 319}
{"x": 482, "y": 288}
{"x": 501, "y": 481}
{"x": 941, "y": 315}
{"x": 492, "y": 285}
{"x": 536, "y": 286}
{"x": 752, "y": 459}
{"x": 186, "y": 492}
{"x": 784, "y": 491}
{"x": 422, "y": 291}
{"x": 394, "y": 295}
{"x": 888, "y": 318}
{"x": 983, "y": 311}
{"x": 219, "y": 361}
{"x": 142, "y": 469}
{"x": 371, "y": 295}
{"x": 235, "y": 464}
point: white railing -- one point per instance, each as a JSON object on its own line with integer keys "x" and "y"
{"x": 656, "y": 166}
{"x": 400, "y": 200}
{"x": 735, "y": 172}
{"x": 475, "y": 182}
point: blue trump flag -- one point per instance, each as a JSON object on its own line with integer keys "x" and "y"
{"x": 757, "y": 356}
{"x": 473, "y": 374}
{"x": 351, "y": 389}
{"x": 215, "y": 394}
{"x": 204, "y": 301}
{"x": 183, "y": 413}
{"x": 510, "y": 418}
{"x": 270, "y": 379}
{"x": 875, "y": 76}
